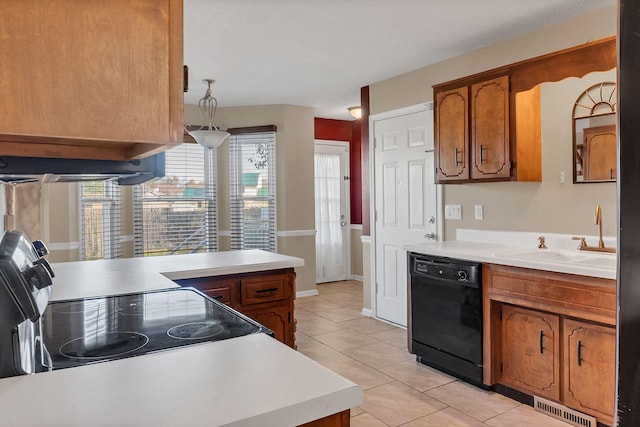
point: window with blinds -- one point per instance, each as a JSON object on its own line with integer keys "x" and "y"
{"x": 100, "y": 220}
{"x": 252, "y": 166}
{"x": 178, "y": 213}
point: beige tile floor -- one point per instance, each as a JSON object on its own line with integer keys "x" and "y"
{"x": 398, "y": 391}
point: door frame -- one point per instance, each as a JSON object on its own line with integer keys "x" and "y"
{"x": 426, "y": 106}
{"x": 347, "y": 196}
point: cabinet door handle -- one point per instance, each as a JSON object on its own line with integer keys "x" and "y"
{"x": 482, "y": 150}
{"x": 458, "y": 152}
{"x": 260, "y": 291}
{"x": 541, "y": 343}
{"x": 579, "y": 353}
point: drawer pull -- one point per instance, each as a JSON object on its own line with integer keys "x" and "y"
{"x": 541, "y": 343}
{"x": 217, "y": 297}
{"x": 262, "y": 291}
{"x": 579, "y": 353}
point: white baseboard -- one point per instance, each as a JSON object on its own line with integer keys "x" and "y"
{"x": 356, "y": 277}
{"x": 366, "y": 312}
{"x": 302, "y": 294}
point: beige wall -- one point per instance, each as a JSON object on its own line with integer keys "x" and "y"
{"x": 546, "y": 206}
{"x": 294, "y": 163}
{"x": 294, "y": 145}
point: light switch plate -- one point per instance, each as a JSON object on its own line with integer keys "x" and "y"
{"x": 479, "y": 211}
{"x": 453, "y": 211}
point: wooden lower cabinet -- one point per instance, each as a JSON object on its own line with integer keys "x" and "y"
{"x": 278, "y": 319}
{"x": 551, "y": 335}
{"x": 266, "y": 297}
{"x": 589, "y": 368}
{"x": 341, "y": 419}
{"x": 531, "y": 351}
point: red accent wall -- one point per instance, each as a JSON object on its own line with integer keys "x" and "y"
{"x": 349, "y": 131}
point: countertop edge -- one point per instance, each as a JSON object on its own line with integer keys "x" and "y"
{"x": 486, "y": 253}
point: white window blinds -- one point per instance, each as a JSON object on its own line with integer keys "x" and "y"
{"x": 178, "y": 213}
{"x": 252, "y": 166}
{"x": 100, "y": 220}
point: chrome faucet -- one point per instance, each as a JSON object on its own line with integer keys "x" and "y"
{"x": 601, "y": 247}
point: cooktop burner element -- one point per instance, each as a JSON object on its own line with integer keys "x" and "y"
{"x": 194, "y": 331}
{"x": 108, "y": 345}
{"x": 90, "y": 330}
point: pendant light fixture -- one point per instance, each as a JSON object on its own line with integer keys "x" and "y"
{"x": 355, "y": 111}
{"x": 208, "y": 135}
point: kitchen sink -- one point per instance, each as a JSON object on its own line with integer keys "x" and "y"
{"x": 600, "y": 261}
{"x": 546, "y": 255}
{"x": 586, "y": 259}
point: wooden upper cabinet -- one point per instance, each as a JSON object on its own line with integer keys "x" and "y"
{"x": 452, "y": 134}
{"x": 91, "y": 79}
{"x": 501, "y": 122}
{"x": 473, "y": 128}
{"x": 490, "y": 129}
{"x": 590, "y": 368}
{"x": 531, "y": 351}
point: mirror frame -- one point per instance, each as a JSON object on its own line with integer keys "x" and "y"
{"x": 597, "y": 101}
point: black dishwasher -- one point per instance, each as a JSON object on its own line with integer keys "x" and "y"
{"x": 446, "y": 315}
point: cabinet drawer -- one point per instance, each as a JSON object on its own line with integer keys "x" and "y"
{"x": 222, "y": 295}
{"x": 224, "y": 290}
{"x": 259, "y": 290}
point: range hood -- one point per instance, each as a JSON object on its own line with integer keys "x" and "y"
{"x": 18, "y": 170}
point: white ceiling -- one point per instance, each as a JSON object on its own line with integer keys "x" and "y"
{"x": 319, "y": 53}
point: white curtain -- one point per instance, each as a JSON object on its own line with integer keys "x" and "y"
{"x": 327, "y": 199}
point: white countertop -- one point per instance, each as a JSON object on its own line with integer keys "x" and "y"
{"x": 247, "y": 381}
{"x": 567, "y": 261}
{"x": 124, "y": 275}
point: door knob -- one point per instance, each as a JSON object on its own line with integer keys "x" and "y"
{"x": 430, "y": 236}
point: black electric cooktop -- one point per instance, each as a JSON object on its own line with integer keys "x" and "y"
{"x": 90, "y": 330}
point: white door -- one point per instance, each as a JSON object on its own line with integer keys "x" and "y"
{"x": 405, "y": 204}
{"x": 332, "y": 210}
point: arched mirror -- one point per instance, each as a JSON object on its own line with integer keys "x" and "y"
{"x": 594, "y": 134}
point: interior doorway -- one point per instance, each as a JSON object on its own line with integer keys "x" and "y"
{"x": 405, "y": 203}
{"x": 332, "y": 217}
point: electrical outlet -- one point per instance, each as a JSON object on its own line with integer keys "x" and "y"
{"x": 453, "y": 211}
{"x": 479, "y": 211}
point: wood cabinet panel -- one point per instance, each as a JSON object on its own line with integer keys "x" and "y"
{"x": 264, "y": 289}
{"x": 341, "y": 419}
{"x": 452, "y": 134}
{"x": 91, "y": 79}
{"x": 507, "y": 115}
{"x": 473, "y": 128}
{"x": 531, "y": 351}
{"x": 589, "y": 368}
{"x": 490, "y": 129}
{"x": 583, "y": 297}
{"x": 521, "y": 303}
{"x": 276, "y": 318}
{"x": 223, "y": 289}
{"x": 266, "y": 297}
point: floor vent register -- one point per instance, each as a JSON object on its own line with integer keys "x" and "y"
{"x": 563, "y": 413}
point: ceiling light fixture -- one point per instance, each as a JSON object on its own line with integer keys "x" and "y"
{"x": 208, "y": 135}
{"x": 355, "y": 111}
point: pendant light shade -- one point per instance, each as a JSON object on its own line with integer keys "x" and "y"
{"x": 355, "y": 111}
{"x": 208, "y": 135}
